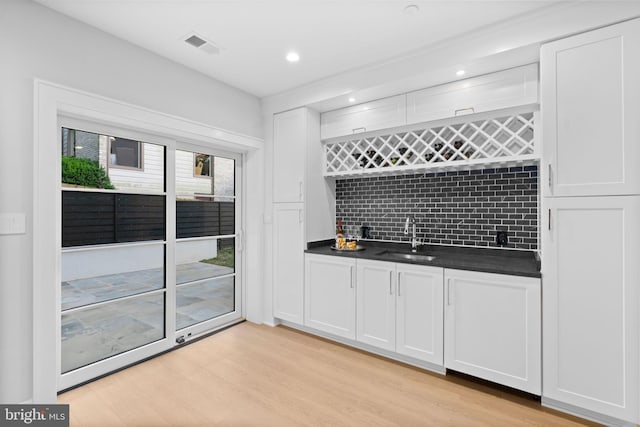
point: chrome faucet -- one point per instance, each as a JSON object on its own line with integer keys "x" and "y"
{"x": 414, "y": 241}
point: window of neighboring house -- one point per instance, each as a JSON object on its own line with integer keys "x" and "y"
{"x": 202, "y": 165}
{"x": 125, "y": 153}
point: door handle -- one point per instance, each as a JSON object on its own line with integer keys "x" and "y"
{"x": 399, "y": 294}
{"x": 300, "y": 191}
{"x": 351, "y": 279}
{"x": 549, "y": 225}
{"x": 549, "y": 175}
{"x": 448, "y": 291}
{"x": 390, "y": 282}
{"x": 359, "y": 130}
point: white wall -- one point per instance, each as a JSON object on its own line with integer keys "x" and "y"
{"x": 100, "y": 261}
{"x": 196, "y": 250}
{"x": 36, "y": 42}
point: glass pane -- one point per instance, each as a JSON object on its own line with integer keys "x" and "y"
{"x": 104, "y": 274}
{"x": 204, "y": 177}
{"x": 224, "y": 178}
{"x": 97, "y": 333}
{"x": 205, "y": 202}
{"x": 204, "y": 259}
{"x": 91, "y": 160}
{"x": 204, "y": 300}
{"x": 92, "y": 218}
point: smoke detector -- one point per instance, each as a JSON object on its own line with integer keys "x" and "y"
{"x": 201, "y": 43}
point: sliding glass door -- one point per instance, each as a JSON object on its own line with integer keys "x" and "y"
{"x": 207, "y": 257}
{"x": 149, "y": 254}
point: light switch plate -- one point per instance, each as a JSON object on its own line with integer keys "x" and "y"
{"x": 13, "y": 223}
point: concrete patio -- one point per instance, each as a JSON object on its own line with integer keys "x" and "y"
{"x": 95, "y": 333}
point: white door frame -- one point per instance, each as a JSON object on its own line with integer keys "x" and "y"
{"x": 52, "y": 101}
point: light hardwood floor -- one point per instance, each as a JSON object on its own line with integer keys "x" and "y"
{"x": 252, "y": 375}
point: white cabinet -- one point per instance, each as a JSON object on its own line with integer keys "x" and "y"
{"x": 288, "y": 261}
{"x": 399, "y": 308}
{"x": 590, "y": 104}
{"x": 289, "y": 151}
{"x": 419, "y": 312}
{"x": 330, "y": 292}
{"x": 492, "y": 327}
{"x": 591, "y": 304}
{"x": 374, "y": 115}
{"x": 376, "y": 304}
{"x": 503, "y": 89}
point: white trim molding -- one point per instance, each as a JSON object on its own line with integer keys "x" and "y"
{"x": 51, "y": 102}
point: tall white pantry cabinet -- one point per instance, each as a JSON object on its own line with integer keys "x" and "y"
{"x": 303, "y": 207}
{"x": 590, "y": 104}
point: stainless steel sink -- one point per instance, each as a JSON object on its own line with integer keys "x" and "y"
{"x": 411, "y": 257}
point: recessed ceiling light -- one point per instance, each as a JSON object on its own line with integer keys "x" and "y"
{"x": 411, "y": 9}
{"x": 460, "y": 73}
{"x": 293, "y": 57}
{"x": 352, "y": 99}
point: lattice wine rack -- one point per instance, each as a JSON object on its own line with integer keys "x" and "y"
{"x": 483, "y": 141}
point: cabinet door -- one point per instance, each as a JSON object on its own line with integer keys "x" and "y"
{"x": 376, "y": 304}
{"x": 591, "y": 277}
{"x": 288, "y": 262}
{"x": 492, "y": 328}
{"x": 289, "y": 142}
{"x": 590, "y": 104}
{"x": 374, "y": 115}
{"x": 330, "y": 292}
{"x": 503, "y": 89}
{"x": 419, "y": 327}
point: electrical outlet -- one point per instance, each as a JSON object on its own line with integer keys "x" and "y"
{"x": 501, "y": 238}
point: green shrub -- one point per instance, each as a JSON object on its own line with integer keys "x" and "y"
{"x": 84, "y": 172}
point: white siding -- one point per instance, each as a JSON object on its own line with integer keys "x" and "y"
{"x": 148, "y": 180}
{"x": 186, "y": 183}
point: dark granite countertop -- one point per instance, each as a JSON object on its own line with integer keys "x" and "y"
{"x": 487, "y": 260}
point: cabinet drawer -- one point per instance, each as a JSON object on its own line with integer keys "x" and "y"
{"x": 374, "y": 115}
{"x": 504, "y": 89}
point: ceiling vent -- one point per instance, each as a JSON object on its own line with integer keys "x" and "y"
{"x": 201, "y": 43}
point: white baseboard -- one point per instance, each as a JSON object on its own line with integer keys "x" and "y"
{"x": 370, "y": 349}
{"x": 585, "y": 413}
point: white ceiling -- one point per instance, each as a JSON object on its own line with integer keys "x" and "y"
{"x": 331, "y": 36}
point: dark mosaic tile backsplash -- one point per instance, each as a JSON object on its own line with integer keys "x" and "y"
{"x": 450, "y": 208}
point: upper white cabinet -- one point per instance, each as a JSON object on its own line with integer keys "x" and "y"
{"x": 330, "y": 294}
{"x": 590, "y": 104}
{"x": 374, "y": 115}
{"x": 504, "y": 89}
{"x": 288, "y": 261}
{"x": 289, "y": 151}
{"x": 492, "y": 327}
{"x": 591, "y": 304}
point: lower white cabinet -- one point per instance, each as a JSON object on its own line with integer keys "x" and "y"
{"x": 492, "y": 327}
{"x": 399, "y": 308}
{"x": 330, "y": 292}
{"x": 592, "y": 305}
{"x": 485, "y": 325}
{"x": 288, "y": 261}
{"x": 376, "y": 304}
